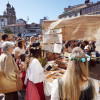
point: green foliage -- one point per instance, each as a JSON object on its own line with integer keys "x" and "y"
{"x": 7, "y": 30}
{"x": 43, "y": 61}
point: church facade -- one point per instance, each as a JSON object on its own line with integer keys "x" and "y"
{"x": 8, "y": 17}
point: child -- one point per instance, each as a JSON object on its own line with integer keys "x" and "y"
{"x": 22, "y": 68}
{"x": 22, "y": 63}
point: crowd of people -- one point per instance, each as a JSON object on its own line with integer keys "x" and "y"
{"x": 19, "y": 59}
{"x": 86, "y": 46}
{"x": 19, "y": 64}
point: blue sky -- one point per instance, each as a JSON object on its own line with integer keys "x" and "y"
{"x": 37, "y": 9}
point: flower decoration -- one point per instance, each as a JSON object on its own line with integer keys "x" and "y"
{"x": 88, "y": 58}
{"x": 83, "y": 59}
{"x": 80, "y": 59}
{"x": 70, "y": 58}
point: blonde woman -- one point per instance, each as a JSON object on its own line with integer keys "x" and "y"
{"x": 74, "y": 85}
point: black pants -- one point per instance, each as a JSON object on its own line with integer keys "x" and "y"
{"x": 11, "y": 96}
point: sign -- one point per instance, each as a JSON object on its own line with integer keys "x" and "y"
{"x": 54, "y": 31}
{"x": 52, "y": 38}
{"x": 54, "y": 48}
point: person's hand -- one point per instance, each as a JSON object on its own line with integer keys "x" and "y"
{"x": 19, "y": 76}
{"x": 22, "y": 68}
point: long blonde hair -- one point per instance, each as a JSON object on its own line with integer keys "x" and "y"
{"x": 77, "y": 71}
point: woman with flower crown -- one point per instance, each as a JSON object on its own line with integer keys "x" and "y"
{"x": 35, "y": 75}
{"x": 74, "y": 85}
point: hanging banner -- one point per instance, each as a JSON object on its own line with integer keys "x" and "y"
{"x": 52, "y": 38}
{"x": 57, "y": 48}
{"x": 54, "y": 48}
{"x": 54, "y": 31}
{"x": 48, "y": 47}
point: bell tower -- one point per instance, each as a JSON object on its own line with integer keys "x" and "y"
{"x": 87, "y": 1}
{"x": 8, "y": 9}
{"x": 11, "y": 14}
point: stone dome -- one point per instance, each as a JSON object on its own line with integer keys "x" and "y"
{"x": 8, "y": 5}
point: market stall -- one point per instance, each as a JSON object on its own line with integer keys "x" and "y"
{"x": 80, "y": 28}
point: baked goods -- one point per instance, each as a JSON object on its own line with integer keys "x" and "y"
{"x": 57, "y": 75}
{"x": 54, "y": 66}
{"x": 48, "y": 76}
{"x": 61, "y": 72}
{"x": 58, "y": 61}
{"x": 61, "y": 64}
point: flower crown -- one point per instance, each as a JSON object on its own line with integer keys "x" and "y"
{"x": 35, "y": 48}
{"x": 80, "y": 59}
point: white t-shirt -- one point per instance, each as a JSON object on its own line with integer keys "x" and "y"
{"x": 21, "y": 51}
{"x": 86, "y": 47}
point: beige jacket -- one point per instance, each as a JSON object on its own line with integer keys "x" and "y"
{"x": 8, "y": 65}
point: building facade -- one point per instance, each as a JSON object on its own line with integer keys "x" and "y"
{"x": 72, "y": 11}
{"x": 20, "y": 21}
{"x": 8, "y": 17}
{"x": 41, "y": 20}
{"x": 17, "y": 28}
{"x": 88, "y": 8}
{"x": 93, "y": 9}
{"x": 33, "y": 29}
{"x": 25, "y": 29}
{"x": 3, "y": 23}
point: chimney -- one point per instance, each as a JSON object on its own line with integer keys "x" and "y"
{"x": 87, "y": 1}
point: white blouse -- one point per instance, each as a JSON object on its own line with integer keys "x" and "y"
{"x": 35, "y": 72}
{"x": 21, "y": 51}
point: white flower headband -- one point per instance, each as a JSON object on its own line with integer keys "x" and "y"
{"x": 80, "y": 59}
{"x": 35, "y": 48}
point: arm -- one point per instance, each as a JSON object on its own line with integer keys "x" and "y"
{"x": 10, "y": 68}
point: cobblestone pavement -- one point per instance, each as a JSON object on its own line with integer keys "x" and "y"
{"x": 21, "y": 95}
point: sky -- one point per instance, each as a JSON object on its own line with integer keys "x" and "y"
{"x": 37, "y": 9}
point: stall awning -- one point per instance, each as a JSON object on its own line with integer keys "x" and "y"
{"x": 80, "y": 28}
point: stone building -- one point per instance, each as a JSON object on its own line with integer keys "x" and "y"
{"x": 25, "y": 29}
{"x": 17, "y": 28}
{"x": 20, "y": 21}
{"x": 93, "y": 9}
{"x": 33, "y": 29}
{"x": 88, "y": 8}
{"x": 74, "y": 11}
{"x": 8, "y": 17}
{"x": 3, "y": 23}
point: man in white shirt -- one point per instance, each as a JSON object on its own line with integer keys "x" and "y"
{"x": 4, "y": 38}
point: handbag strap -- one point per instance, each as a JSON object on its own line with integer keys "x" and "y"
{"x": 4, "y": 62}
